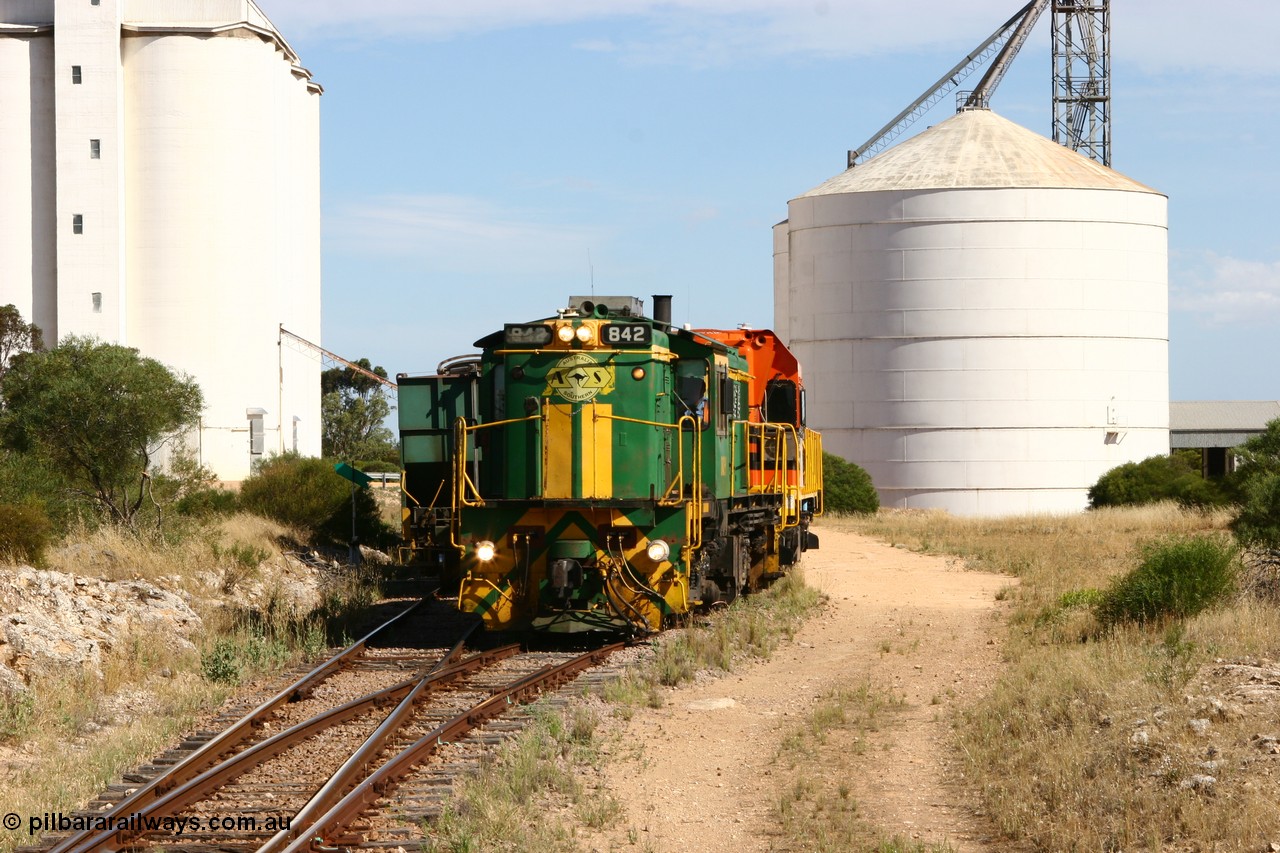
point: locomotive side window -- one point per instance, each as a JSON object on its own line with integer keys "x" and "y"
{"x": 725, "y": 409}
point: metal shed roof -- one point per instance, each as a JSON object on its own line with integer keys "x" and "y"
{"x": 1218, "y": 423}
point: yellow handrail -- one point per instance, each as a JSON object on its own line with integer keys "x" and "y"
{"x": 463, "y": 485}
{"x": 776, "y": 481}
{"x": 813, "y": 469}
{"x": 673, "y": 495}
{"x": 466, "y": 493}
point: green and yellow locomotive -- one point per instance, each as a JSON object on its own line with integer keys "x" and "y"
{"x": 602, "y": 470}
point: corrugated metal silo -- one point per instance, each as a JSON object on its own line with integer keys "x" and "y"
{"x": 983, "y": 318}
{"x": 228, "y": 120}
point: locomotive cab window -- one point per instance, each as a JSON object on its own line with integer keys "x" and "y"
{"x": 691, "y": 390}
{"x": 780, "y": 402}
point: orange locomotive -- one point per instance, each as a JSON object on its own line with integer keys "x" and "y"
{"x": 781, "y": 447}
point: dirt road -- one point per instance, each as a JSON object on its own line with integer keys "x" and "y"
{"x": 920, "y": 627}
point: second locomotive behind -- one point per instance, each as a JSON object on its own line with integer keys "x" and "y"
{"x": 603, "y": 470}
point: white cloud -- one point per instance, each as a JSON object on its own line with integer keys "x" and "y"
{"x": 448, "y": 233}
{"x": 1222, "y": 290}
{"x": 1157, "y": 35}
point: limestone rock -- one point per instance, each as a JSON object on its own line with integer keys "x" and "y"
{"x": 53, "y": 624}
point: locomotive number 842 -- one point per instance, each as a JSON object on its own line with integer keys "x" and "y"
{"x": 600, "y": 470}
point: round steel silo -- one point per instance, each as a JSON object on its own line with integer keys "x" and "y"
{"x": 223, "y": 208}
{"x": 983, "y": 318}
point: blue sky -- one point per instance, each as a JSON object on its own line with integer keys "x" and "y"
{"x": 482, "y": 161}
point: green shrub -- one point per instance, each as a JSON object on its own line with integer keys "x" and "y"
{"x": 1178, "y": 577}
{"x": 24, "y": 533}
{"x": 846, "y": 487}
{"x": 206, "y": 502}
{"x": 1158, "y": 478}
{"x": 17, "y": 715}
{"x": 25, "y": 480}
{"x": 306, "y": 493}
{"x": 378, "y": 466}
{"x": 221, "y": 664}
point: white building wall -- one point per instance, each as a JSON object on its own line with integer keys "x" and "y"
{"x": 986, "y": 351}
{"x": 200, "y": 217}
{"x": 28, "y": 203}
{"x": 91, "y": 281}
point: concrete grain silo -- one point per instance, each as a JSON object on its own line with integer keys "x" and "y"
{"x": 983, "y": 318}
{"x": 163, "y": 157}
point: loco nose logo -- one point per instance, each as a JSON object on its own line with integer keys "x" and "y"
{"x": 579, "y": 377}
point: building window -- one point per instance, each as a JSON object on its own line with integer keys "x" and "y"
{"x": 75, "y": 74}
{"x": 77, "y": 223}
{"x": 257, "y": 435}
{"x": 97, "y": 302}
{"x": 95, "y": 2}
{"x": 95, "y": 149}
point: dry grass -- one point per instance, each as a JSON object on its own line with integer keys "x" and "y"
{"x": 522, "y": 798}
{"x": 73, "y": 724}
{"x": 1093, "y": 740}
{"x": 151, "y": 688}
{"x": 532, "y": 796}
{"x": 752, "y": 627}
{"x": 182, "y": 561}
{"x": 814, "y": 806}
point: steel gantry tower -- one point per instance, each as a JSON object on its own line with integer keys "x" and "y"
{"x": 1082, "y": 77}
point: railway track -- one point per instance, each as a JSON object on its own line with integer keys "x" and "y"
{"x": 354, "y": 753}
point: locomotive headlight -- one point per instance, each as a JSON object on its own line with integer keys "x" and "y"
{"x": 485, "y": 551}
{"x": 659, "y": 551}
{"x": 584, "y": 334}
{"x": 564, "y": 333}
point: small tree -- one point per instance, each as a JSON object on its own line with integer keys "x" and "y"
{"x": 847, "y": 487}
{"x": 96, "y": 413}
{"x": 1257, "y": 524}
{"x": 15, "y": 337}
{"x": 305, "y": 493}
{"x": 354, "y": 406}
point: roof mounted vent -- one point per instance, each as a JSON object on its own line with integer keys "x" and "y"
{"x": 604, "y": 306}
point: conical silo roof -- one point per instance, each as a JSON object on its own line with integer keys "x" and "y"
{"x": 977, "y": 149}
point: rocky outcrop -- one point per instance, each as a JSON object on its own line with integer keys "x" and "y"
{"x": 53, "y": 624}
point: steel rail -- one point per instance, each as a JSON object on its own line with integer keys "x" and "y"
{"x": 352, "y": 769}
{"x": 198, "y": 788}
{"x": 302, "y": 836}
{"x": 233, "y": 737}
